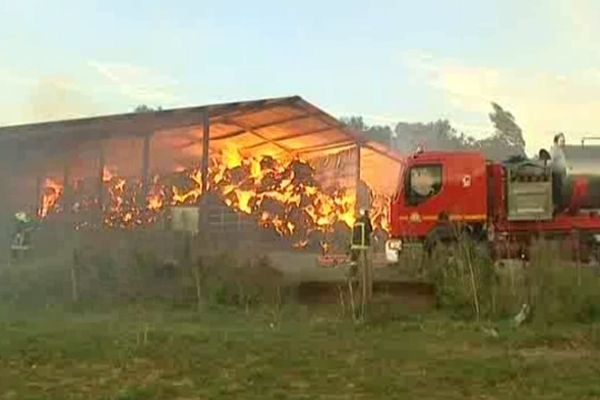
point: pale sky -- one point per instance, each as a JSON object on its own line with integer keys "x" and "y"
{"x": 414, "y": 61}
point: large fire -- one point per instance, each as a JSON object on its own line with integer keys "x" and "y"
{"x": 280, "y": 194}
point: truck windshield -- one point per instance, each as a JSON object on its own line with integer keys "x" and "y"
{"x": 423, "y": 182}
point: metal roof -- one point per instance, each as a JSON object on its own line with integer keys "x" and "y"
{"x": 269, "y": 126}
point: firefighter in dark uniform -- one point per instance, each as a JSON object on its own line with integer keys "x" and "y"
{"x": 21, "y": 241}
{"x": 23, "y": 226}
{"x": 360, "y": 246}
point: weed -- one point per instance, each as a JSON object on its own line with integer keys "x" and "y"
{"x": 220, "y": 353}
{"x": 470, "y": 286}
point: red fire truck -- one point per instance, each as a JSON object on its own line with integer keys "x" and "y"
{"x": 502, "y": 205}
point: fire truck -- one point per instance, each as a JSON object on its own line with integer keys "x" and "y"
{"x": 443, "y": 196}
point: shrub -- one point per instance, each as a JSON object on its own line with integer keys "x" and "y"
{"x": 464, "y": 279}
{"x": 470, "y": 286}
{"x": 559, "y": 291}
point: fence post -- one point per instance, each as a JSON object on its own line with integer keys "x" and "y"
{"x": 75, "y": 267}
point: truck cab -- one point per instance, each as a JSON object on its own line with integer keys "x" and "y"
{"x": 434, "y": 187}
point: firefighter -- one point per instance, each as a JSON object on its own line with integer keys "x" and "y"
{"x": 559, "y": 170}
{"x": 360, "y": 255}
{"x": 365, "y": 218}
{"x": 22, "y": 233}
{"x": 361, "y": 234}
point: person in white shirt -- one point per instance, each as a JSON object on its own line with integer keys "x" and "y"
{"x": 559, "y": 170}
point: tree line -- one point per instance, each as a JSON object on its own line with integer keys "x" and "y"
{"x": 505, "y": 142}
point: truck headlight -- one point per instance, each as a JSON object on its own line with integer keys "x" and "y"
{"x": 393, "y": 249}
{"x": 394, "y": 245}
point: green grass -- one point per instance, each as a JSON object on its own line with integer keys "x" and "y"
{"x": 305, "y": 353}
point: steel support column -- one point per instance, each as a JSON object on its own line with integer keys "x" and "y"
{"x": 203, "y": 220}
{"x": 38, "y": 193}
{"x": 358, "y": 178}
{"x": 205, "y": 148}
{"x": 146, "y": 169}
{"x": 67, "y": 190}
{"x": 100, "y": 188}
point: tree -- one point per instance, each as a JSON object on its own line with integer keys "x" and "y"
{"x": 376, "y": 133}
{"x": 506, "y": 128}
{"x": 380, "y": 133}
{"x": 507, "y": 141}
{"x": 354, "y": 123}
{"x": 438, "y": 135}
{"x": 143, "y": 108}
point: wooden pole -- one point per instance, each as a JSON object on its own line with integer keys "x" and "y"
{"x": 365, "y": 281}
{"x": 198, "y": 277}
{"x": 578, "y": 257}
{"x": 369, "y": 267}
{"x": 75, "y": 277}
{"x": 365, "y": 255}
{"x": 351, "y": 293}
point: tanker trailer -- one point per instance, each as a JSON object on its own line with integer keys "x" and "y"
{"x": 582, "y": 189}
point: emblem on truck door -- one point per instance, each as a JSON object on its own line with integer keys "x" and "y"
{"x": 466, "y": 181}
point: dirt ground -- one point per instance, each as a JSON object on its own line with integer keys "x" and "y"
{"x": 302, "y": 267}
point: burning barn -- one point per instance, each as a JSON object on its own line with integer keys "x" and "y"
{"x": 272, "y": 168}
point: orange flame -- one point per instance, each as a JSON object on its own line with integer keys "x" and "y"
{"x": 52, "y": 192}
{"x": 107, "y": 176}
{"x": 155, "y": 203}
{"x": 280, "y": 194}
{"x": 301, "y": 244}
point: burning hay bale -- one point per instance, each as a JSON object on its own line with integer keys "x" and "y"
{"x": 281, "y": 195}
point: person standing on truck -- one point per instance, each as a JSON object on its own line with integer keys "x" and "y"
{"x": 559, "y": 170}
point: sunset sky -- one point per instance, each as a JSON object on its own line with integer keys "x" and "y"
{"x": 386, "y": 60}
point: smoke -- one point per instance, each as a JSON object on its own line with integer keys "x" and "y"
{"x": 56, "y": 98}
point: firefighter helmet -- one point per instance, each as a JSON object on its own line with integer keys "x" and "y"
{"x": 21, "y": 216}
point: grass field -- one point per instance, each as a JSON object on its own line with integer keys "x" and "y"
{"x": 295, "y": 352}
